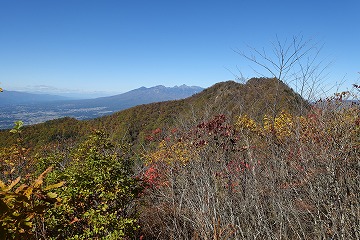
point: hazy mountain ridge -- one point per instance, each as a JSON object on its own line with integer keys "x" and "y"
{"x": 142, "y": 95}
{"x": 15, "y": 97}
{"x": 37, "y": 108}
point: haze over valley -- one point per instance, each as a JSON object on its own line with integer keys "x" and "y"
{"x": 37, "y": 108}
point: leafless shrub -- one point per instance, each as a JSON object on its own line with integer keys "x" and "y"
{"x": 246, "y": 183}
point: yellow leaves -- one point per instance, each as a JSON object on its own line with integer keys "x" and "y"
{"x": 37, "y": 183}
{"x": 267, "y": 124}
{"x": 170, "y": 153}
{"x": 181, "y": 152}
{"x": 26, "y": 190}
{"x": 244, "y": 122}
{"x": 12, "y": 184}
{"x": 5, "y": 188}
{"x": 21, "y": 206}
{"x": 282, "y": 125}
{"x": 21, "y": 188}
{"x": 2, "y": 185}
{"x": 57, "y": 185}
{"x": 40, "y": 179}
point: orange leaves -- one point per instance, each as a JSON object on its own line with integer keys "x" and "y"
{"x": 153, "y": 176}
{"x": 74, "y": 220}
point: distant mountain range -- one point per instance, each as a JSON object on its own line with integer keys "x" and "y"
{"x": 36, "y": 108}
{"x": 14, "y": 97}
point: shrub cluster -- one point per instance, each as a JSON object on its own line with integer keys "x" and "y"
{"x": 94, "y": 192}
{"x": 286, "y": 177}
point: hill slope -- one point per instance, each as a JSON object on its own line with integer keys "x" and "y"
{"x": 257, "y": 97}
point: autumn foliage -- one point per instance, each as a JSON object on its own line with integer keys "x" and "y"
{"x": 287, "y": 176}
{"x": 226, "y": 174}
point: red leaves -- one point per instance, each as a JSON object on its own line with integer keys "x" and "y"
{"x": 155, "y": 135}
{"x": 152, "y": 177}
{"x": 156, "y": 131}
{"x": 234, "y": 167}
{"x": 357, "y": 122}
{"x": 216, "y": 126}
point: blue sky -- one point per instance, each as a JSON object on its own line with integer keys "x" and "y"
{"x": 117, "y": 46}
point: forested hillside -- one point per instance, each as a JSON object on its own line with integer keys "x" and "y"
{"x": 236, "y": 161}
{"x": 255, "y": 98}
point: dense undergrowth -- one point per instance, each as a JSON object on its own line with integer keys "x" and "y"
{"x": 291, "y": 177}
{"x": 284, "y": 175}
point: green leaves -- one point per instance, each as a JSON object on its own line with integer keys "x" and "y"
{"x": 51, "y": 195}
{"x": 56, "y": 185}
{"x": 17, "y": 127}
{"x": 100, "y": 192}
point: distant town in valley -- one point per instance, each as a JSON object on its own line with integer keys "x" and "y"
{"x": 38, "y": 108}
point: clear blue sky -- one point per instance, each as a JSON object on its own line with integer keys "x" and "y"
{"x": 121, "y": 45}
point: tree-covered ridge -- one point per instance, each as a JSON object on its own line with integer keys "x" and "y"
{"x": 256, "y": 97}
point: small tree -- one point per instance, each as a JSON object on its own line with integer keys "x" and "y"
{"x": 294, "y": 62}
{"x": 100, "y": 193}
